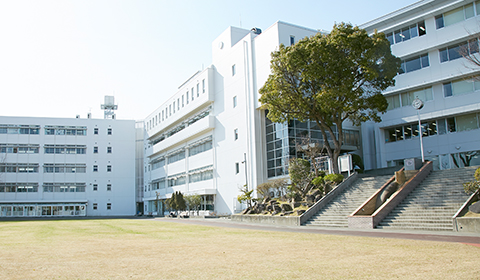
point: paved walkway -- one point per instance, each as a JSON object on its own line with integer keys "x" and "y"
{"x": 443, "y": 236}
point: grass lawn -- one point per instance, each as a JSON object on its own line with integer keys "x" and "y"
{"x": 149, "y": 249}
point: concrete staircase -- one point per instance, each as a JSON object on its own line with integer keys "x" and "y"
{"x": 336, "y": 212}
{"x": 432, "y": 204}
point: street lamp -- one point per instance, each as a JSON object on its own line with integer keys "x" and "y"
{"x": 418, "y": 104}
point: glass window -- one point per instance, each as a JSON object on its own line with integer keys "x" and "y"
{"x": 453, "y": 16}
{"x": 393, "y": 101}
{"x": 95, "y": 150}
{"x": 109, "y": 150}
{"x": 466, "y": 122}
{"x": 234, "y": 101}
{"x": 109, "y": 168}
{"x": 441, "y": 127}
{"x": 109, "y": 131}
{"x": 451, "y": 125}
{"x": 235, "y": 135}
{"x": 439, "y": 21}
{"x": 234, "y": 70}
{"x": 95, "y": 168}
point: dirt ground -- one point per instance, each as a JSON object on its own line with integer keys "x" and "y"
{"x": 148, "y": 249}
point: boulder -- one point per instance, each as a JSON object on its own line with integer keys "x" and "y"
{"x": 277, "y": 208}
{"x": 300, "y": 212}
{"x": 296, "y": 204}
{"x": 310, "y": 198}
{"x": 475, "y": 208}
{"x": 286, "y": 207}
{"x": 318, "y": 197}
{"x": 316, "y": 192}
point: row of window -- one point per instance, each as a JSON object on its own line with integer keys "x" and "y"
{"x": 19, "y": 148}
{"x": 453, "y": 88}
{"x": 435, "y": 127}
{"x": 457, "y": 15}
{"x": 95, "y": 206}
{"x": 176, "y": 105}
{"x": 181, "y": 126}
{"x": 49, "y": 130}
{"x": 406, "y": 98}
{"x": 196, "y": 149}
{"x": 48, "y": 168}
{"x": 56, "y": 130}
{"x": 29, "y": 210}
{"x": 448, "y": 18}
{"x": 47, "y": 187}
{"x": 407, "y": 33}
{"x": 201, "y": 174}
{"x": 49, "y": 149}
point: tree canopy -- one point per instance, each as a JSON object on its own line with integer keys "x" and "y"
{"x": 329, "y": 78}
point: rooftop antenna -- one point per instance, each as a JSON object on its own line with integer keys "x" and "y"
{"x": 109, "y": 107}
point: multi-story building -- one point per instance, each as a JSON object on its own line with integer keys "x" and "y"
{"x": 66, "y": 167}
{"x": 211, "y": 137}
{"x": 429, "y": 37}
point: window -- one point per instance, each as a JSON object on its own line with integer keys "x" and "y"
{"x": 109, "y": 206}
{"x": 109, "y": 187}
{"x": 183, "y": 101}
{"x": 199, "y": 148}
{"x": 406, "y": 98}
{"x": 234, "y": 101}
{"x": 95, "y": 206}
{"x": 176, "y": 157}
{"x": 414, "y": 64}
{"x": 178, "y": 104}
{"x": 162, "y": 116}
{"x": 95, "y": 150}
{"x": 95, "y": 131}
{"x": 459, "y": 87}
{"x": 95, "y": 187}
{"x": 65, "y": 149}
{"x": 173, "y": 106}
{"x": 64, "y": 168}
{"x": 456, "y": 15}
{"x": 393, "y": 102}
{"x": 198, "y": 90}
{"x": 109, "y": 168}
{"x": 109, "y": 131}
{"x": 19, "y": 167}
{"x": 292, "y": 40}
{"x": 193, "y": 93}
{"x": 234, "y": 70}
{"x": 187, "y": 97}
{"x": 237, "y": 167}
{"x": 109, "y": 150}
{"x": 200, "y": 174}
{"x": 203, "y": 86}
{"x": 407, "y": 33}
{"x": 20, "y": 148}
{"x": 458, "y": 50}
{"x": 235, "y": 134}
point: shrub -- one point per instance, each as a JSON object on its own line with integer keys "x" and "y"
{"x": 333, "y": 178}
{"x": 473, "y": 186}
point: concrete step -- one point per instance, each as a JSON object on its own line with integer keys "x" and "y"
{"x": 433, "y": 203}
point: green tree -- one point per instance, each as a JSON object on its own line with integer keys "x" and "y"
{"x": 301, "y": 176}
{"x": 176, "y": 202}
{"x": 329, "y": 79}
{"x": 245, "y": 196}
{"x": 194, "y": 201}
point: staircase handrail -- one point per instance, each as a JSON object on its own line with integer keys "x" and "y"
{"x": 327, "y": 198}
{"x": 464, "y": 209}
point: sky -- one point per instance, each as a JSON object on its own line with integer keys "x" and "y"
{"x": 60, "y": 58}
